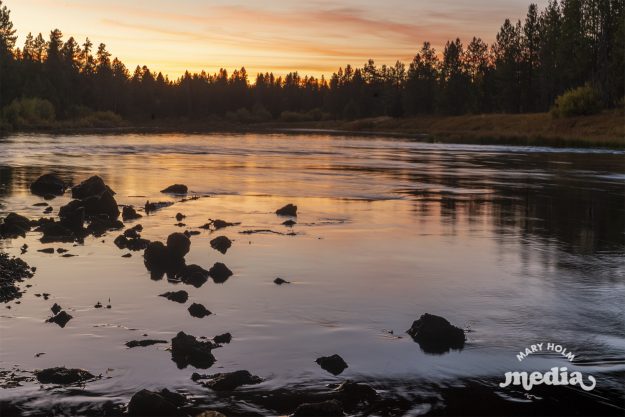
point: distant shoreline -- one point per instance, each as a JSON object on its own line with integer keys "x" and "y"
{"x": 604, "y": 130}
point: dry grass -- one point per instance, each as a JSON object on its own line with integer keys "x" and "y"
{"x": 606, "y": 129}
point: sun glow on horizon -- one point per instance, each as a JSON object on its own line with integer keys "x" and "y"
{"x": 313, "y": 37}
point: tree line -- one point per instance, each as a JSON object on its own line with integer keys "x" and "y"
{"x": 531, "y": 62}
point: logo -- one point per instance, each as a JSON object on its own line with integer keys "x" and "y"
{"x": 554, "y": 376}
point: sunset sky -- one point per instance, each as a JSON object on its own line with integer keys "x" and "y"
{"x": 314, "y": 36}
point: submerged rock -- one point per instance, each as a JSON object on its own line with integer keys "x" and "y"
{"x": 289, "y": 223}
{"x": 147, "y": 403}
{"x": 55, "y": 232}
{"x": 218, "y": 224}
{"x": 280, "y": 281}
{"x": 144, "y": 342}
{"x": 229, "y": 381}
{"x": 187, "y": 350}
{"x": 177, "y": 296}
{"x": 62, "y": 375}
{"x": 333, "y": 364}
{"x": 129, "y": 213}
{"x": 436, "y": 335}
{"x": 198, "y": 310}
{"x": 62, "y": 318}
{"x": 219, "y": 273}
{"x": 223, "y": 338}
{"x": 176, "y": 189}
{"x": 329, "y": 408}
{"x": 48, "y": 184}
{"x": 221, "y": 243}
{"x": 288, "y": 210}
{"x": 90, "y": 187}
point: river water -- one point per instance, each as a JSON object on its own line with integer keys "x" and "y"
{"x": 516, "y": 245}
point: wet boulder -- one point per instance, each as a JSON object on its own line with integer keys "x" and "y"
{"x": 177, "y": 296}
{"x": 280, "y": 281}
{"x": 193, "y": 275}
{"x": 55, "y": 232}
{"x": 219, "y": 273}
{"x": 333, "y": 364}
{"x": 103, "y": 203}
{"x": 48, "y": 184}
{"x": 288, "y": 210}
{"x": 151, "y": 404}
{"x": 14, "y": 225}
{"x": 223, "y": 338}
{"x": 180, "y": 216}
{"x": 156, "y": 256}
{"x": 187, "y": 350}
{"x": 176, "y": 189}
{"x": 129, "y": 213}
{"x": 90, "y": 187}
{"x": 229, "y": 381}
{"x": 62, "y": 318}
{"x": 178, "y": 245}
{"x": 218, "y": 224}
{"x": 198, "y": 310}
{"x": 289, "y": 223}
{"x": 55, "y": 308}
{"x": 329, "y": 408}
{"x": 221, "y": 244}
{"x": 353, "y": 392}
{"x": 72, "y": 215}
{"x": 62, "y": 375}
{"x": 436, "y": 335}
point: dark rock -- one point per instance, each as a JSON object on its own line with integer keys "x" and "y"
{"x": 181, "y": 225}
{"x": 98, "y": 305}
{"x": 127, "y": 255}
{"x": 223, "y": 338}
{"x": 49, "y": 196}
{"x": 187, "y": 350}
{"x": 61, "y": 250}
{"x": 180, "y": 216}
{"x": 193, "y": 275}
{"x": 90, "y": 187}
{"x": 280, "y": 281}
{"x": 177, "y": 296}
{"x": 68, "y": 255}
{"x": 333, "y": 364}
{"x": 12, "y": 271}
{"x": 102, "y": 223}
{"x": 137, "y": 244}
{"x": 173, "y": 397}
{"x": 55, "y": 308}
{"x": 288, "y": 210}
{"x": 210, "y": 413}
{"x": 354, "y": 392}
{"x": 129, "y": 213}
{"x": 72, "y": 215}
{"x": 101, "y": 204}
{"x": 144, "y": 342}
{"x": 219, "y": 273}
{"x": 198, "y": 310}
{"x": 150, "y": 207}
{"x": 229, "y": 381}
{"x": 42, "y": 204}
{"x": 62, "y": 375}
{"x": 55, "y": 232}
{"x": 218, "y": 224}
{"x": 178, "y": 245}
{"x": 289, "y": 223}
{"x": 137, "y": 227}
{"x": 151, "y": 404}
{"x": 121, "y": 242}
{"x": 48, "y": 184}
{"x": 189, "y": 233}
{"x": 436, "y": 335}
{"x": 156, "y": 256}
{"x": 46, "y": 250}
{"x": 131, "y": 233}
{"x": 221, "y": 243}
{"x": 48, "y": 210}
{"x": 62, "y": 318}
{"x": 329, "y": 408}
{"x": 176, "y": 189}
{"x": 14, "y": 226}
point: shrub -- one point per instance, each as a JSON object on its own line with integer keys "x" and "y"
{"x": 577, "y": 102}
{"x": 29, "y": 112}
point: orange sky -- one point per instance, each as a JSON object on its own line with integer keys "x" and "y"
{"x": 313, "y": 37}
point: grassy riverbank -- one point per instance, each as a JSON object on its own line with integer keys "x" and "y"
{"x": 606, "y": 129}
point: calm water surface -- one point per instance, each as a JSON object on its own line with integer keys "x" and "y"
{"x": 518, "y": 245}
